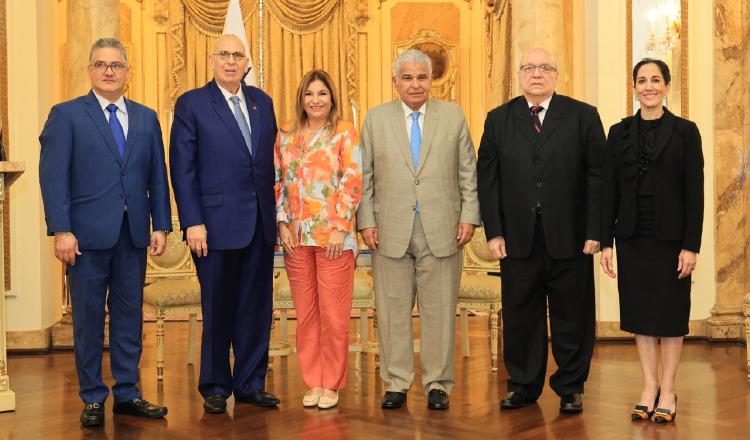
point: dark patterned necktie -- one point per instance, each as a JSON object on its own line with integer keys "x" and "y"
{"x": 535, "y": 110}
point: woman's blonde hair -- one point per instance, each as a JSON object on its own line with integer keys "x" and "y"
{"x": 325, "y": 78}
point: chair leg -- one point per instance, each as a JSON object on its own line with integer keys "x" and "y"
{"x": 362, "y": 326}
{"x": 192, "y": 337}
{"x": 159, "y": 344}
{"x": 493, "y": 336}
{"x": 464, "y": 331}
{"x": 283, "y": 325}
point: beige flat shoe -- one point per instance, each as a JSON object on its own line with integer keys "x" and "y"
{"x": 326, "y": 402}
{"x": 312, "y": 396}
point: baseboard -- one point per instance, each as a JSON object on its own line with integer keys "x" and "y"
{"x": 29, "y": 340}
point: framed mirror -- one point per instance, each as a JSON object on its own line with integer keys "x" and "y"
{"x": 658, "y": 29}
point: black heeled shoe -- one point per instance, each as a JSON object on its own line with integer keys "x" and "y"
{"x": 641, "y": 412}
{"x": 663, "y": 416}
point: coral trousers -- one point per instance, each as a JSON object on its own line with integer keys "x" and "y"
{"x": 322, "y": 294}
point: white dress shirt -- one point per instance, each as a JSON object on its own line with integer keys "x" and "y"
{"x": 545, "y": 106}
{"x": 408, "y": 120}
{"x": 122, "y": 111}
{"x": 243, "y": 105}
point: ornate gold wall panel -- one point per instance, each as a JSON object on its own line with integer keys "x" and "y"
{"x": 444, "y": 59}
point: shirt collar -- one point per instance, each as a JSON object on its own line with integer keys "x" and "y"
{"x": 228, "y": 95}
{"x": 104, "y": 102}
{"x": 408, "y": 111}
{"x": 544, "y": 103}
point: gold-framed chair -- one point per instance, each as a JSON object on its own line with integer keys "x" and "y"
{"x": 363, "y": 298}
{"x": 480, "y": 291}
{"x": 172, "y": 289}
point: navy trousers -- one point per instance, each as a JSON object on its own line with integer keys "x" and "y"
{"x": 237, "y": 303}
{"x": 121, "y": 270}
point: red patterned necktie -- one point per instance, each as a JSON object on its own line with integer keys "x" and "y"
{"x": 535, "y": 110}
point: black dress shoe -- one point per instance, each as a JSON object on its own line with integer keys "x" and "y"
{"x": 571, "y": 403}
{"x": 92, "y": 415}
{"x": 393, "y": 400}
{"x": 514, "y": 400}
{"x": 215, "y": 404}
{"x": 259, "y": 398}
{"x": 437, "y": 399}
{"x": 140, "y": 408}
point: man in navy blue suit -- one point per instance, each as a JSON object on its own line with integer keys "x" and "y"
{"x": 103, "y": 181}
{"x": 221, "y": 162}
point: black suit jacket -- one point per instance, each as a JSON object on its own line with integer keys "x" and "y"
{"x": 679, "y": 182}
{"x": 559, "y": 168}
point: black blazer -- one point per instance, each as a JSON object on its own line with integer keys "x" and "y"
{"x": 679, "y": 182}
{"x": 561, "y": 168}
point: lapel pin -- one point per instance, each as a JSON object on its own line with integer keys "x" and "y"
{"x": 255, "y": 109}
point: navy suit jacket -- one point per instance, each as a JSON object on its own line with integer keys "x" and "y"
{"x": 215, "y": 179}
{"x": 86, "y": 185}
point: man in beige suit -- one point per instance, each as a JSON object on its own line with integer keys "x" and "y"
{"x": 419, "y": 207}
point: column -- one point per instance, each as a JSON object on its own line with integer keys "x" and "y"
{"x": 88, "y": 20}
{"x": 546, "y": 24}
{"x": 732, "y": 190}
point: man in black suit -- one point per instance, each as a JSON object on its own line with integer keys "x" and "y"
{"x": 539, "y": 174}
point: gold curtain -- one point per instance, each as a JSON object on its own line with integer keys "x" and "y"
{"x": 298, "y": 35}
{"x": 497, "y": 19}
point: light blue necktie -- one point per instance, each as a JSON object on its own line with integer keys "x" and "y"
{"x": 244, "y": 128}
{"x": 416, "y": 139}
{"x": 415, "y": 143}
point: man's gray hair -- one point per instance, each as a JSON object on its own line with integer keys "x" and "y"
{"x": 108, "y": 42}
{"x": 413, "y": 56}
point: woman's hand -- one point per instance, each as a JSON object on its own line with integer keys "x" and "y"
{"x": 335, "y": 244}
{"x": 686, "y": 263}
{"x": 607, "y": 263}
{"x": 288, "y": 241}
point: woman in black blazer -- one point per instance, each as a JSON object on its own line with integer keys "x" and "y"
{"x": 653, "y": 207}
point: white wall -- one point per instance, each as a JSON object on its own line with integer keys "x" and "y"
{"x": 33, "y": 86}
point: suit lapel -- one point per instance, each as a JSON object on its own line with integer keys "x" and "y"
{"x": 663, "y": 133}
{"x": 552, "y": 118}
{"x": 134, "y": 119}
{"x": 252, "y": 111}
{"x": 398, "y": 122}
{"x": 96, "y": 114}
{"x": 431, "y": 119}
{"x": 523, "y": 115}
{"x": 222, "y": 109}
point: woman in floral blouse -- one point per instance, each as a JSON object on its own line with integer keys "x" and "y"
{"x": 318, "y": 188}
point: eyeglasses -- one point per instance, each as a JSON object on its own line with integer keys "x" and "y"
{"x": 545, "y": 69}
{"x": 225, "y": 54}
{"x": 101, "y": 67}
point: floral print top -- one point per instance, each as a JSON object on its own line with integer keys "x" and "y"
{"x": 319, "y": 186}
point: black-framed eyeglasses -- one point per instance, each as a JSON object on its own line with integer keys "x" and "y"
{"x": 101, "y": 67}
{"x": 225, "y": 54}
{"x": 545, "y": 69}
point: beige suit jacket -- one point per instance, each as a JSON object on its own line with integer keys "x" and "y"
{"x": 444, "y": 182}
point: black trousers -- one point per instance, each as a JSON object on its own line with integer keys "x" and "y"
{"x": 568, "y": 286}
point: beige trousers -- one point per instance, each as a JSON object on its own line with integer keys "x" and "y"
{"x": 434, "y": 283}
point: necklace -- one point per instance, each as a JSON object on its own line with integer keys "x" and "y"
{"x": 310, "y": 131}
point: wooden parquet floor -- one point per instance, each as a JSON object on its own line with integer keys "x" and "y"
{"x": 714, "y": 400}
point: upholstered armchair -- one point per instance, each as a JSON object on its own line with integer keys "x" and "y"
{"x": 172, "y": 289}
{"x": 480, "y": 290}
